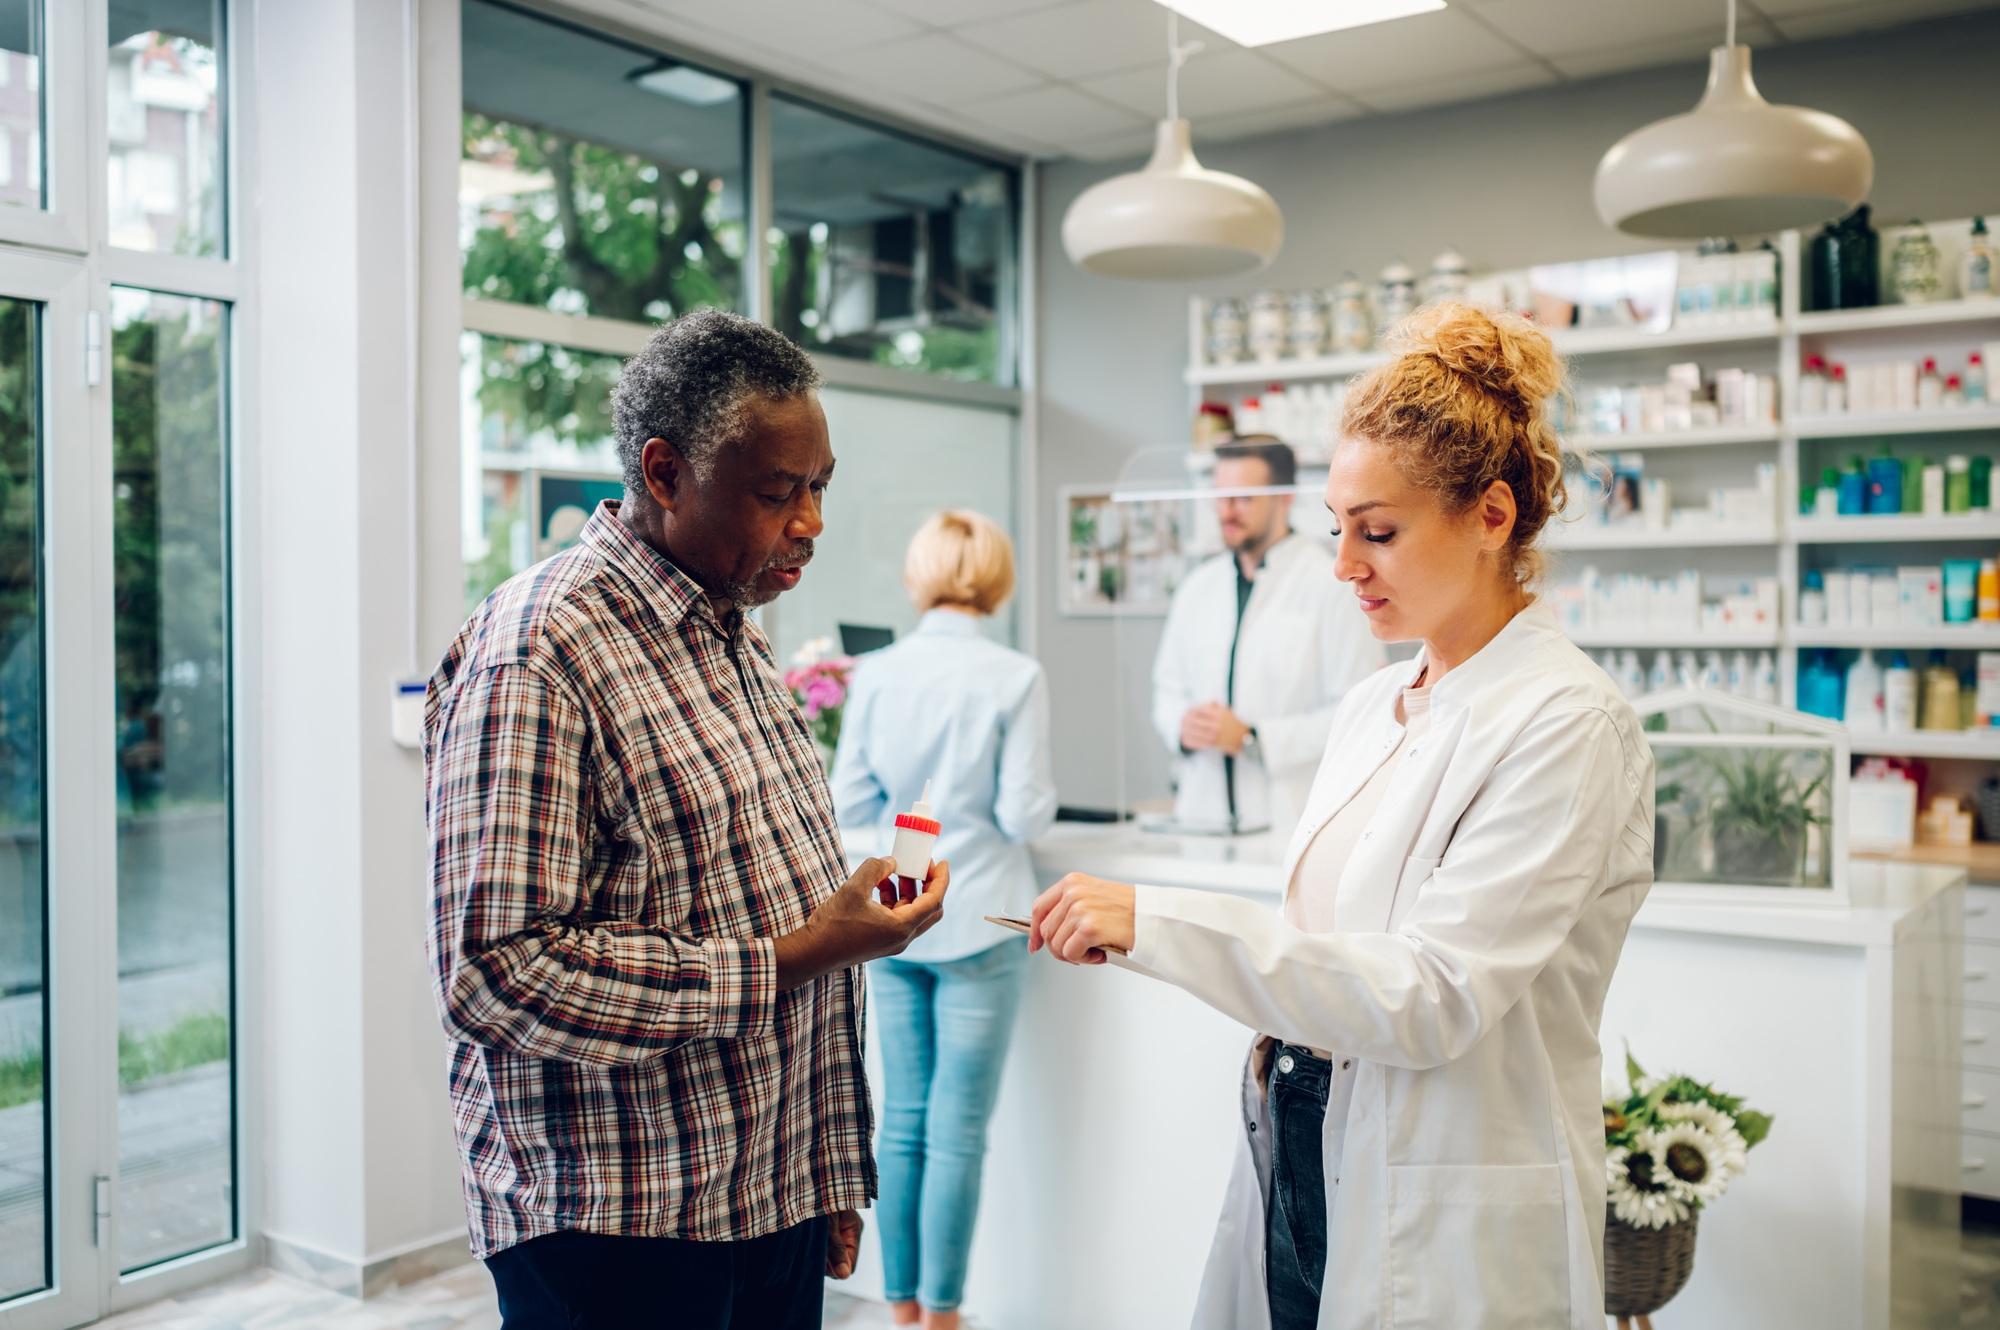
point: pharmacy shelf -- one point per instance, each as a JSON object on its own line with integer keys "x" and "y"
{"x": 1578, "y": 536}
{"x": 1935, "y": 314}
{"x": 1897, "y": 529}
{"x": 1628, "y": 341}
{"x": 1720, "y": 639}
{"x": 1963, "y": 637}
{"x": 1970, "y": 745}
{"x": 1939, "y": 420}
{"x": 1682, "y": 438}
{"x": 1278, "y": 371}
{"x": 1571, "y": 342}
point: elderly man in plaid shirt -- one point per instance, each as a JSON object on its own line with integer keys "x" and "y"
{"x": 642, "y": 946}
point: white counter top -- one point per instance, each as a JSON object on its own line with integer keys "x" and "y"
{"x": 1884, "y": 893}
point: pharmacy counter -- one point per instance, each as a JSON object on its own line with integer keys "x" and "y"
{"x": 1112, "y": 1138}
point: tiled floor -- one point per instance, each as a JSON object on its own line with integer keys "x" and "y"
{"x": 462, "y": 1299}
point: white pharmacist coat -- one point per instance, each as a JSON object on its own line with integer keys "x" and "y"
{"x": 1478, "y": 923}
{"x": 1304, "y": 643}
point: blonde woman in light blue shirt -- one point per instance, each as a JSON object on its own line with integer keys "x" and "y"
{"x": 949, "y": 706}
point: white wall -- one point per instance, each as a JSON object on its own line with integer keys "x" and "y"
{"x": 356, "y": 1153}
{"x": 1507, "y": 182}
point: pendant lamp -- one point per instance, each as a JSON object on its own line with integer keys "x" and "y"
{"x": 1175, "y": 220}
{"x": 1735, "y": 165}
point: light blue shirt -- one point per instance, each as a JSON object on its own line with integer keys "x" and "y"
{"x": 972, "y": 717}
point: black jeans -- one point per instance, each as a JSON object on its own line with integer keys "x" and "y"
{"x": 590, "y": 1281}
{"x": 1295, "y": 1226}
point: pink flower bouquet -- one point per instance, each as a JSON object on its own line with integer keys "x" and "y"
{"x": 819, "y": 684}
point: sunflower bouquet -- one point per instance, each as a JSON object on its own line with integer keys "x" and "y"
{"x": 1672, "y": 1146}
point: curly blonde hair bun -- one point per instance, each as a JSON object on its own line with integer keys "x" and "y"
{"x": 1467, "y": 402}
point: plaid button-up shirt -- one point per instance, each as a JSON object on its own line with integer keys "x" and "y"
{"x": 625, "y": 809}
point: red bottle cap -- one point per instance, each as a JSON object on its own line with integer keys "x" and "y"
{"x": 1930, "y": 364}
{"x": 1951, "y": 382}
{"x": 911, "y": 822}
{"x": 1840, "y": 371}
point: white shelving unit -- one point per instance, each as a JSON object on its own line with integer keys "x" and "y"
{"x": 1721, "y": 639}
{"x": 1958, "y": 637}
{"x": 1894, "y": 330}
{"x": 1895, "y": 530}
{"x": 1572, "y": 536}
{"x": 1966, "y": 745}
{"x": 1937, "y": 314}
{"x": 1898, "y": 424}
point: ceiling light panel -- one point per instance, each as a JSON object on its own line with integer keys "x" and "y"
{"x": 1261, "y": 22}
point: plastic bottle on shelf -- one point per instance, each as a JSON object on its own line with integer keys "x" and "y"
{"x": 1661, "y": 676}
{"x": 1836, "y": 391}
{"x": 1899, "y": 695}
{"x": 1958, "y": 483}
{"x": 1276, "y": 409}
{"x": 1940, "y": 697}
{"x": 1975, "y": 380}
{"x": 1764, "y": 679}
{"x": 1989, "y": 591}
{"x": 1631, "y": 677}
{"x": 1954, "y": 391}
{"x": 1686, "y": 671}
{"x": 1913, "y": 482}
{"x": 1982, "y": 483}
{"x": 1930, "y": 388}
{"x": 1739, "y": 674}
{"x": 1863, "y": 706}
{"x": 1812, "y": 599}
{"x": 1826, "y": 496}
{"x": 1812, "y": 387}
{"x": 1819, "y": 687}
{"x": 1888, "y": 486}
{"x": 1933, "y": 481}
{"x": 1714, "y": 674}
{"x": 1853, "y": 499}
{"x": 1250, "y": 417}
{"x": 1976, "y": 276}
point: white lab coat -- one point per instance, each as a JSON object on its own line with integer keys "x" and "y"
{"x": 1478, "y": 923}
{"x": 1304, "y": 644}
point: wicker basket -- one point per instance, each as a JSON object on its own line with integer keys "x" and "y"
{"x": 1645, "y": 1267}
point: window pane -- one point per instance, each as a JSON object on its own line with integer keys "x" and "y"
{"x": 24, "y": 1211}
{"x": 889, "y": 249}
{"x": 596, "y": 178}
{"x": 539, "y": 452}
{"x": 21, "y": 103}
{"x": 164, "y": 87}
{"x": 170, "y": 574}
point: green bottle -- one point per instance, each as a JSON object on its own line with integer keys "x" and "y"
{"x": 1982, "y": 483}
{"x": 1913, "y": 481}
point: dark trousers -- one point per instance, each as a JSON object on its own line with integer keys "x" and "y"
{"x": 589, "y": 1281}
{"x": 1295, "y": 1227}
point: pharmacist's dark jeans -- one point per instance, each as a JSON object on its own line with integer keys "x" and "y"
{"x": 1295, "y": 1228}
{"x": 591, "y": 1281}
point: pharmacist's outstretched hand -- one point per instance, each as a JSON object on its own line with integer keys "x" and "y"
{"x": 1080, "y": 917}
{"x": 851, "y": 927}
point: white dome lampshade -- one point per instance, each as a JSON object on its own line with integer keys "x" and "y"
{"x": 1173, "y": 219}
{"x": 1735, "y": 165}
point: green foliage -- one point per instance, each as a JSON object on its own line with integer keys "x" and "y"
{"x": 1639, "y": 1110}
{"x": 20, "y": 1079}
{"x": 195, "y": 1040}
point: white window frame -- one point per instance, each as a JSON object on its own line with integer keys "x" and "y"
{"x": 61, "y": 257}
{"x": 497, "y": 318}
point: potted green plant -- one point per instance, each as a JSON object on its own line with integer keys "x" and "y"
{"x": 1762, "y": 813}
{"x": 1672, "y": 1147}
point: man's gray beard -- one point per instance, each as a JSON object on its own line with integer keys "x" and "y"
{"x": 746, "y": 596}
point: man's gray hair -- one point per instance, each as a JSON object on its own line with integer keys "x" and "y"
{"x": 691, "y": 384}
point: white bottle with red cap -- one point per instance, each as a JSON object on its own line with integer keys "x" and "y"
{"x": 916, "y": 836}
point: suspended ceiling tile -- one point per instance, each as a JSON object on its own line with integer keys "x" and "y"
{"x": 814, "y": 29}
{"x": 936, "y": 68}
{"x": 1419, "y": 49}
{"x": 1562, "y": 27}
{"x": 1686, "y": 48}
{"x": 1053, "y": 113}
{"x": 1228, "y": 83}
{"x": 1458, "y": 88}
{"x": 1097, "y": 37}
{"x": 951, "y": 13}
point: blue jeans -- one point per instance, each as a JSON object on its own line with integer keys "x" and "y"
{"x": 1295, "y": 1227}
{"x": 944, "y": 1028}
